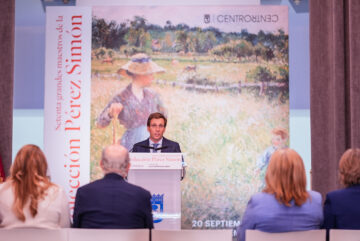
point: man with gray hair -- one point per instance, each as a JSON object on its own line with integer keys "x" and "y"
{"x": 112, "y": 202}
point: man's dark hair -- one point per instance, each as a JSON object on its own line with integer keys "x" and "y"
{"x": 156, "y": 115}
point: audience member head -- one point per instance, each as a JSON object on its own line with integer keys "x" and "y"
{"x": 115, "y": 158}
{"x": 349, "y": 167}
{"x": 28, "y": 178}
{"x": 285, "y": 177}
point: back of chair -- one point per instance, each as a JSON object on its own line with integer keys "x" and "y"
{"x": 192, "y": 235}
{"x": 33, "y": 234}
{"x": 76, "y": 234}
{"x": 344, "y": 235}
{"x": 311, "y": 235}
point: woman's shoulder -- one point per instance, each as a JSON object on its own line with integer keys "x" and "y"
{"x": 5, "y": 186}
{"x": 268, "y": 199}
{"x": 315, "y": 196}
{"x": 55, "y": 189}
{"x": 263, "y": 197}
{"x": 55, "y": 193}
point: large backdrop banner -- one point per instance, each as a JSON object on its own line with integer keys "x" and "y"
{"x": 225, "y": 92}
{"x": 67, "y": 96}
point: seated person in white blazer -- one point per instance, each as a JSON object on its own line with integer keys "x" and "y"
{"x": 28, "y": 199}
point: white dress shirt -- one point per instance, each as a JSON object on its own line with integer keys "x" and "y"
{"x": 152, "y": 144}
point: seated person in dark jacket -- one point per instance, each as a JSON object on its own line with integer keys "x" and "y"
{"x": 111, "y": 202}
{"x": 341, "y": 208}
{"x": 156, "y": 126}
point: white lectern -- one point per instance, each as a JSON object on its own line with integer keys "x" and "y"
{"x": 160, "y": 173}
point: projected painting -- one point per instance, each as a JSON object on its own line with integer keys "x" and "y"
{"x": 225, "y": 93}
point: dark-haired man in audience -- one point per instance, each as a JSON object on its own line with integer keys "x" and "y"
{"x": 111, "y": 202}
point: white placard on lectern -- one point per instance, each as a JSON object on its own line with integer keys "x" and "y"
{"x": 160, "y": 173}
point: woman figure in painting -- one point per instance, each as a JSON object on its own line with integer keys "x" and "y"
{"x": 341, "y": 208}
{"x": 284, "y": 205}
{"x": 133, "y": 105}
{"x": 28, "y": 198}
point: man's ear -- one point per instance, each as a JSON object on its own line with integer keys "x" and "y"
{"x": 148, "y": 129}
{"x": 127, "y": 170}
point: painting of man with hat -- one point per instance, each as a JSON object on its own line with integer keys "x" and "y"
{"x": 136, "y": 102}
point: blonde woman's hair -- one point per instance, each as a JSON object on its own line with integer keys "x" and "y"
{"x": 28, "y": 179}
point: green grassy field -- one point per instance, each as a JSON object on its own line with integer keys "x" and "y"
{"x": 221, "y": 133}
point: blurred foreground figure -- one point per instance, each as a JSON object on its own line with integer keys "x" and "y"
{"x": 284, "y": 205}
{"x": 112, "y": 202}
{"x": 28, "y": 199}
{"x": 341, "y": 208}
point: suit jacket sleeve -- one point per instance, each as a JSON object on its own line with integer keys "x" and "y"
{"x": 171, "y": 146}
{"x": 177, "y": 147}
{"x": 135, "y": 148}
{"x": 329, "y": 217}
{"x": 148, "y": 212}
{"x": 141, "y": 146}
{"x": 77, "y": 210}
{"x": 247, "y": 222}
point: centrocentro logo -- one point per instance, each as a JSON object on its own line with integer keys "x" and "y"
{"x": 206, "y": 18}
{"x": 157, "y": 204}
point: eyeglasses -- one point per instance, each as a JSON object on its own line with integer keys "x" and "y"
{"x": 157, "y": 126}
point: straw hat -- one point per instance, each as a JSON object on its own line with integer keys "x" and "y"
{"x": 141, "y": 64}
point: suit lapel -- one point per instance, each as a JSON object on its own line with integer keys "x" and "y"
{"x": 165, "y": 143}
{"x": 147, "y": 143}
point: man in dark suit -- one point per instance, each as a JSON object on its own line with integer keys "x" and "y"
{"x": 341, "y": 207}
{"x": 156, "y": 126}
{"x": 111, "y": 202}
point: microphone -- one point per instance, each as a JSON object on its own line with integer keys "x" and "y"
{"x": 151, "y": 147}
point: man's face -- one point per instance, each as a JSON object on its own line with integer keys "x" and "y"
{"x": 156, "y": 129}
